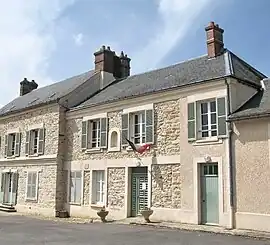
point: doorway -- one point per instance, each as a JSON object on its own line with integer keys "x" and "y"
{"x": 139, "y": 190}
{"x": 9, "y": 184}
{"x": 209, "y": 194}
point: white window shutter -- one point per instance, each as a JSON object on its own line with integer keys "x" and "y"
{"x": 6, "y": 145}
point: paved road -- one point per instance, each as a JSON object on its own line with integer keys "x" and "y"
{"x": 16, "y": 230}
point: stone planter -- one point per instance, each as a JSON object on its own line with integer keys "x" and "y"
{"x": 102, "y": 214}
{"x": 146, "y": 214}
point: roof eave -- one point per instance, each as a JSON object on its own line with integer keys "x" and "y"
{"x": 55, "y": 101}
{"x": 248, "y": 117}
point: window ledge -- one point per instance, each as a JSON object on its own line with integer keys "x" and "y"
{"x": 74, "y": 204}
{"x": 93, "y": 205}
{"x": 208, "y": 141}
{"x": 94, "y": 150}
{"x": 114, "y": 149}
{"x": 31, "y": 200}
{"x": 11, "y": 157}
{"x": 34, "y": 155}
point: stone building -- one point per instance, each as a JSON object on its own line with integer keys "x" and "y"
{"x": 181, "y": 110}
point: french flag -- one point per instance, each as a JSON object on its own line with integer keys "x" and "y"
{"x": 140, "y": 149}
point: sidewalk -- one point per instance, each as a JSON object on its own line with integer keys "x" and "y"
{"x": 197, "y": 228}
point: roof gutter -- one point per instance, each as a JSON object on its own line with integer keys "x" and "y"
{"x": 230, "y": 158}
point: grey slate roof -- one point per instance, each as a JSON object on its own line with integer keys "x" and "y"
{"x": 186, "y": 73}
{"x": 257, "y": 106}
{"x": 48, "y": 94}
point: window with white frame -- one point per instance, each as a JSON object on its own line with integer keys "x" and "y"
{"x": 208, "y": 119}
{"x": 34, "y": 143}
{"x": 94, "y": 128}
{"x": 138, "y": 127}
{"x": 32, "y": 185}
{"x": 12, "y": 144}
{"x": 94, "y": 134}
{"x": 75, "y": 187}
{"x": 98, "y": 187}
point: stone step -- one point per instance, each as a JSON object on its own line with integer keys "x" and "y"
{"x": 7, "y": 208}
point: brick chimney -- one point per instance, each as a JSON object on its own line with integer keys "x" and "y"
{"x": 215, "y": 45}
{"x": 104, "y": 60}
{"x": 107, "y": 61}
{"x": 26, "y": 86}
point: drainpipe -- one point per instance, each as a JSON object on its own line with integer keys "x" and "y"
{"x": 231, "y": 179}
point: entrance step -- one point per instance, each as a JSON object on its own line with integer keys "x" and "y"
{"x": 7, "y": 208}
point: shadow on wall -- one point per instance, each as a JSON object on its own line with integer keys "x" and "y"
{"x": 254, "y": 130}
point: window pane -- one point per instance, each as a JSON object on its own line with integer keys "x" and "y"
{"x": 213, "y": 118}
{"x": 205, "y": 134}
{"x": 216, "y": 169}
{"x": 33, "y": 191}
{"x": 205, "y": 120}
{"x": 136, "y": 119}
{"x": 213, "y": 106}
{"x": 78, "y": 190}
{"x": 204, "y": 108}
{"x": 137, "y": 129}
{"x": 214, "y": 133}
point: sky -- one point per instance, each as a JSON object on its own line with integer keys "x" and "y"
{"x": 48, "y": 41}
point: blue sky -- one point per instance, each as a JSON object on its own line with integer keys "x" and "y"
{"x": 52, "y": 40}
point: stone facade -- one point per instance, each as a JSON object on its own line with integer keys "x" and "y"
{"x": 166, "y": 186}
{"x": 46, "y": 186}
{"x": 116, "y": 187}
{"x": 86, "y": 187}
{"x": 167, "y": 137}
{"x": 52, "y": 178}
{"x": 47, "y": 115}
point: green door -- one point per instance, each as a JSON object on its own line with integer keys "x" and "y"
{"x": 139, "y": 195}
{"x": 209, "y": 194}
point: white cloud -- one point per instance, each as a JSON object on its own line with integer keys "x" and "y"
{"x": 78, "y": 39}
{"x": 177, "y": 16}
{"x": 26, "y": 42}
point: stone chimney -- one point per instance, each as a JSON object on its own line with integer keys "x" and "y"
{"x": 215, "y": 45}
{"x": 26, "y": 86}
{"x": 107, "y": 61}
{"x": 125, "y": 65}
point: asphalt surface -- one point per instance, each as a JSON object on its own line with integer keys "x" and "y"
{"x": 16, "y": 230}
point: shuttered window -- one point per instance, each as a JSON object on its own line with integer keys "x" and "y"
{"x": 138, "y": 127}
{"x": 12, "y": 145}
{"x": 35, "y": 142}
{"x": 207, "y": 119}
{"x": 94, "y": 134}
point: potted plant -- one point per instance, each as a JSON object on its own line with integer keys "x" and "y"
{"x": 146, "y": 213}
{"x": 102, "y": 213}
